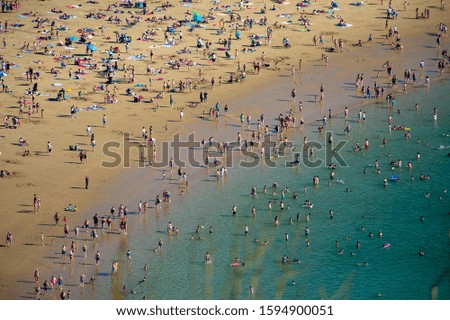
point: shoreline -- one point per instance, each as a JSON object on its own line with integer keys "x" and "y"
{"x": 84, "y": 201}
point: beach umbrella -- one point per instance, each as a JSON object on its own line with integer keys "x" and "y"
{"x": 197, "y": 17}
{"x": 91, "y": 47}
{"x": 73, "y": 38}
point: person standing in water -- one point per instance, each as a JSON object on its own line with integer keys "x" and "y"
{"x": 207, "y": 258}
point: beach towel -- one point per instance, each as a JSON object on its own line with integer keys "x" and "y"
{"x": 67, "y": 17}
{"x": 137, "y": 57}
{"x": 93, "y": 108}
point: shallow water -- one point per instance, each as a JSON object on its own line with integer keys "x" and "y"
{"x": 397, "y": 272}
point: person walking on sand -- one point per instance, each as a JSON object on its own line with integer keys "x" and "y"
{"x": 322, "y": 88}
{"x": 85, "y": 250}
{"x": 36, "y": 275}
{"x": 8, "y": 239}
{"x": 42, "y": 239}
{"x": 104, "y": 120}
{"x": 97, "y": 257}
{"x": 49, "y": 147}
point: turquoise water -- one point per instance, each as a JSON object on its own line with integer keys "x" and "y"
{"x": 397, "y": 272}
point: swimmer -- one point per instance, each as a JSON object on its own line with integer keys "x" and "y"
{"x": 380, "y": 234}
{"x": 348, "y": 190}
{"x": 341, "y": 251}
{"x": 421, "y": 253}
{"x": 422, "y": 219}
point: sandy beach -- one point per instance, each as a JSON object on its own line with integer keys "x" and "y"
{"x": 152, "y": 66}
